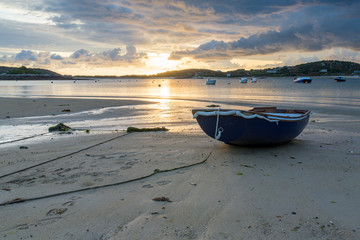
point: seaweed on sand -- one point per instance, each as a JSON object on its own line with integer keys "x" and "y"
{"x": 157, "y": 129}
{"x": 60, "y": 127}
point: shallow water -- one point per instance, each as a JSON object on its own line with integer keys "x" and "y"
{"x": 173, "y": 100}
{"x": 322, "y": 91}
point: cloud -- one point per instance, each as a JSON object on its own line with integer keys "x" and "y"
{"x": 112, "y": 54}
{"x": 26, "y": 56}
{"x": 108, "y": 58}
{"x": 130, "y": 22}
{"x": 56, "y": 57}
{"x": 64, "y": 21}
{"x": 320, "y": 30}
{"x": 81, "y": 53}
{"x": 156, "y": 22}
{"x": 209, "y": 31}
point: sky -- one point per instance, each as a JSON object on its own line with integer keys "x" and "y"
{"x": 122, "y": 37}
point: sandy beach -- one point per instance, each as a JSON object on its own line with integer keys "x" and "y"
{"x": 108, "y": 186}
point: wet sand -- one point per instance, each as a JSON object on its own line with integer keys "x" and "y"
{"x": 28, "y": 107}
{"x": 307, "y": 189}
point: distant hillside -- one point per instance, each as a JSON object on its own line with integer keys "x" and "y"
{"x": 327, "y": 68}
{"x": 24, "y": 73}
{"x": 25, "y": 70}
{"x": 320, "y": 68}
{"x": 189, "y": 73}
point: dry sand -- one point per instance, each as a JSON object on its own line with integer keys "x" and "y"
{"x": 307, "y": 189}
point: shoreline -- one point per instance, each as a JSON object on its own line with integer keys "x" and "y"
{"x": 29, "y": 107}
{"x": 90, "y": 78}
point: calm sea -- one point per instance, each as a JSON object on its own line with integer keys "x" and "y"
{"x": 173, "y": 100}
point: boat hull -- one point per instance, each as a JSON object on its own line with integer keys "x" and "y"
{"x": 340, "y": 79}
{"x": 303, "y": 80}
{"x": 251, "y": 132}
{"x": 210, "y": 82}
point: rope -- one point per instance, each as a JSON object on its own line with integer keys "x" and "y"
{"x": 156, "y": 171}
{"x": 218, "y": 131}
{"x": 66, "y": 155}
{"x": 45, "y": 133}
{"x": 21, "y": 139}
{"x": 217, "y": 122}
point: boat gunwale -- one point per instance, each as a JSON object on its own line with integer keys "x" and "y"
{"x": 267, "y": 114}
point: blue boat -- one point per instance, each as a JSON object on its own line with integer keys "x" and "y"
{"x": 302, "y": 80}
{"x": 243, "y": 80}
{"x": 340, "y": 79}
{"x": 258, "y": 126}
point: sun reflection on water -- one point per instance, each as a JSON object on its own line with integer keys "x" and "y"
{"x": 165, "y": 92}
{"x": 164, "y": 113}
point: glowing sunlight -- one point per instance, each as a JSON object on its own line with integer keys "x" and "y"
{"x": 160, "y": 62}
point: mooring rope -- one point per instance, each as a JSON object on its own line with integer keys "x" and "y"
{"x": 66, "y": 155}
{"x": 45, "y": 133}
{"x": 25, "y": 138}
{"x": 156, "y": 171}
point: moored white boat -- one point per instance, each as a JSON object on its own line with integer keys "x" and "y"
{"x": 211, "y": 82}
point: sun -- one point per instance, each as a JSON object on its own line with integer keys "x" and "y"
{"x": 160, "y": 62}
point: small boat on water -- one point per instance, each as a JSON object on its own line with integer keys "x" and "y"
{"x": 258, "y": 126}
{"x": 243, "y": 80}
{"x": 340, "y": 79}
{"x": 302, "y": 80}
{"x": 211, "y": 82}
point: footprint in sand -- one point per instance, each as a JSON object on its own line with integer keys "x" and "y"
{"x": 111, "y": 173}
{"x": 125, "y": 167}
{"x": 68, "y": 182}
{"x": 98, "y": 179}
{"x": 56, "y": 211}
{"x": 69, "y": 203}
{"x": 41, "y": 222}
{"x": 75, "y": 198}
{"x": 47, "y": 221}
{"x": 87, "y": 184}
{"x": 162, "y": 183}
{"x": 128, "y": 165}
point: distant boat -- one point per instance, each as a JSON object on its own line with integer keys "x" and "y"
{"x": 258, "y": 126}
{"x": 243, "y": 80}
{"x": 253, "y": 80}
{"x": 211, "y": 82}
{"x": 340, "y": 79}
{"x": 302, "y": 80}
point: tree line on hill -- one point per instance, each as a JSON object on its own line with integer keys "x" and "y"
{"x": 320, "y": 68}
{"x": 24, "y": 73}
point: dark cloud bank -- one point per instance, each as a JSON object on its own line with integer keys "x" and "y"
{"x": 311, "y": 26}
